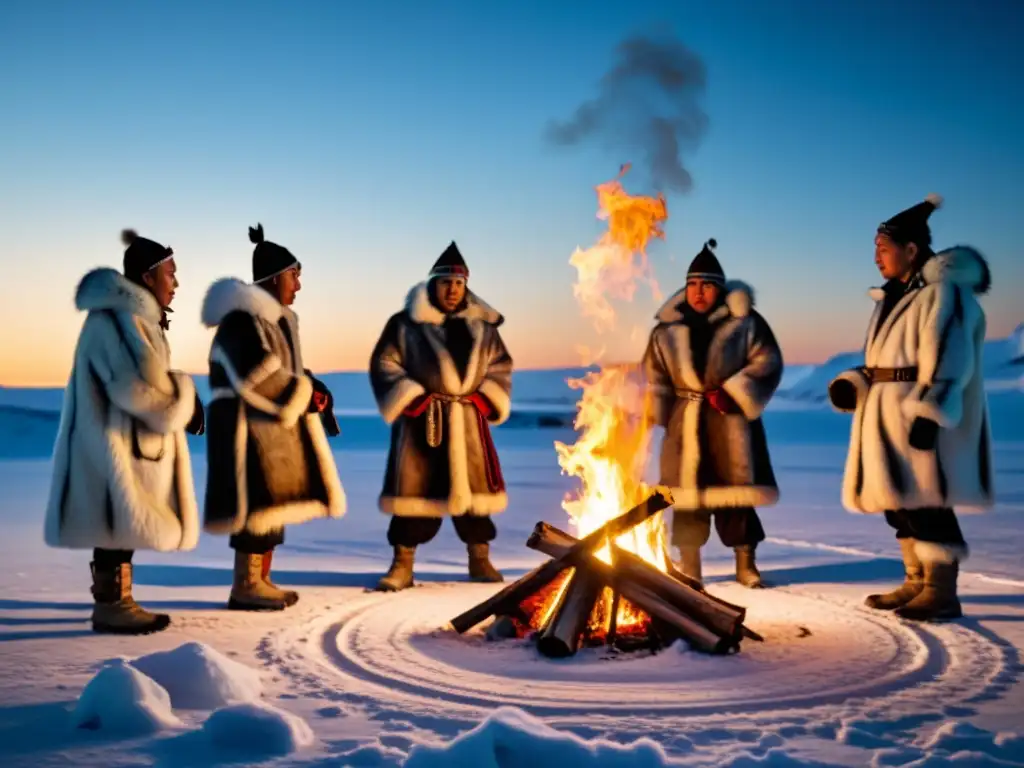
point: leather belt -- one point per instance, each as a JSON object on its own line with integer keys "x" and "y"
{"x": 435, "y": 416}
{"x": 889, "y": 375}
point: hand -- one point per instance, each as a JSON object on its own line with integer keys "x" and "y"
{"x": 197, "y": 424}
{"x": 720, "y": 400}
{"x": 924, "y": 433}
{"x": 319, "y": 402}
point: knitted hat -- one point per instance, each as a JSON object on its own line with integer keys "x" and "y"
{"x": 705, "y": 265}
{"x": 142, "y": 255}
{"x": 911, "y": 225}
{"x": 450, "y": 264}
{"x": 269, "y": 259}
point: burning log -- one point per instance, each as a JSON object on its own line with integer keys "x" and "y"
{"x": 563, "y": 632}
{"x": 722, "y": 619}
{"x": 702, "y": 622}
{"x": 507, "y": 600}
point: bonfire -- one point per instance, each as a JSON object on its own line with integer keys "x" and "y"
{"x": 613, "y": 582}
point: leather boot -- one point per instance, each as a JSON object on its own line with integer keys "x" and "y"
{"x": 746, "y": 568}
{"x": 480, "y": 567}
{"x": 913, "y": 582}
{"x": 399, "y": 575}
{"x": 289, "y": 596}
{"x": 689, "y": 563}
{"x": 115, "y": 610}
{"x": 937, "y": 600}
{"x": 248, "y": 591}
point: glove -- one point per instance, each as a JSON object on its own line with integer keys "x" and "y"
{"x": 197, "y": 424}
{"x": 924, "y": 433}
{"x": 318, "y": 403}
{"x": 720, "y": 400}
{"x": 843, "y": 394}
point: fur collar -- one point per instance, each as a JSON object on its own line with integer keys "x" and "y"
{"x": 739, "y": 300}
{"x": 106, "y": 288}
{"x": 960, "y": 265}
{"x": 420, "y": 310}
{"x": 230, "y": 294}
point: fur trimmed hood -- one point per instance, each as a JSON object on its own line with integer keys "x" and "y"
{"x": 739, "y": 300}
{"x": 417, "y": 304}
{"x": 106, "y": 288}
{"x": 230, "y": 294}
{"x": 961, "y": 265}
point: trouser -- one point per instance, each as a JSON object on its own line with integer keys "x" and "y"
{"x": 413, "y": 531}
{"x": 736, "y": 526}
{"x": 256, "y": 544}
{"x": 109, "y": 559}
{"x": 937, "y": 525}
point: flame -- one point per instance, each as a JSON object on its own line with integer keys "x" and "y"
{"x": 611, "y": 452}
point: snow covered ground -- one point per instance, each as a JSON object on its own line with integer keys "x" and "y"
{"x": 351, "y": 677}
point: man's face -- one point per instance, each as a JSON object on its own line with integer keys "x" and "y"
{"x": 894, "y": 261}
{"x": 450, "y": 292}
{"x": 288, "y": 283}
{"x": 701, "y": 295}
{"x": 162, "y": 281}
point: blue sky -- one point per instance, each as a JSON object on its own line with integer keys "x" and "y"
{"x": 365, "y": 136}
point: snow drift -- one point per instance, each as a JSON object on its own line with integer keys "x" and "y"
{"x": 199, "y": 677}
{"x": 122, "y": 701}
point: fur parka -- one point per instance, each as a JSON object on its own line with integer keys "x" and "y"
{"x": 122, "y": 474}
{"x": 461, "y": 474}
{"x": 939, "y": 328}
{"x": 712, "y": 460}
{"x": 269, "y": 462}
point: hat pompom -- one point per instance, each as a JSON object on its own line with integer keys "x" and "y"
{"x": 256, "y": 234}
{"x": 934, "y": 199}
{"x": 712, "y": 243}
{"x": 129, "y": 236}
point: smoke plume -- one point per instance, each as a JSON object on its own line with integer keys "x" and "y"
{"x": 647, "y": 102}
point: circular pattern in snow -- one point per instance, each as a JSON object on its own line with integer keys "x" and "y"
{"x": 818, "y": 651}
{"x": 200, "y": 677}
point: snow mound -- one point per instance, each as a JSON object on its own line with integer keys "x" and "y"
{"x": 200, "y": 677}
{"x": 123, "y": 701}
{"x": 956, "y": 738}
{"x": 258, "y": 730}
{"x": 510, "y": 736}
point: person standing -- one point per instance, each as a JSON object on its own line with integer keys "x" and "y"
{"x": 920, "y": 441}
{"x": 441, "y": 376}
{"x": 269, "y": 461}
{"x": 122, "y": 473}
{"x": 712, "y": 364}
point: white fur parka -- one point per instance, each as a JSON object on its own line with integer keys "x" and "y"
{"x": 122, "y": 475}
{"x": 938, "y": 327}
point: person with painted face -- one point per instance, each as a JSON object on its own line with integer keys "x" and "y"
{"x": 269, "y": 463}
{"x": 712, "y": 365}
{"x": 122, "y": 474}
{"x": 920, "y": 440}
{"x": 442, "y": 375}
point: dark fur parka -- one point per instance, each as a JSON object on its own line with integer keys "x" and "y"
{"x": 411, "y": 360}
{"x": 269, "y": 463}
{"x": 709, "y": 459}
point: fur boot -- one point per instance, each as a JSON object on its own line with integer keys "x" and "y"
{"x": 689, "y": 563}
{"x": 937, "y": 600}
{"x": 480, "y": 567}
{"x": 913, "y": 582}
{"x": 399, "y": 575}
{"x": 249, "y": 592}
{"x": 289, "y": 596}
{"x": 115, "y": 610}
{"x": 746, "y": 568}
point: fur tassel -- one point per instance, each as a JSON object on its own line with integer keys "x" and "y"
{"x": 934, "y": 199}
{"x": 129, "y": 236}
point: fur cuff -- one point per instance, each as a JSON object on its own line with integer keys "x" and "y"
{"x": 929, "y": 552}
{"x": 398, "y": 397}
{"x": 858, "y": 380}
{"x": 743, "y": 390}
{"x": 413, "y": 506}
{"x": 694, "y": 499}
{"x": 160, "y": 412}
{"x": 297, "y": 405}
{"x": 918, "y": 404}
{"x": 498, "y": 398}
